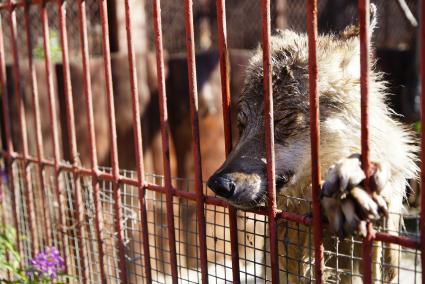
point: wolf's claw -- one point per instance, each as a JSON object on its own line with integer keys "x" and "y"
{"x": 346, "y": 204}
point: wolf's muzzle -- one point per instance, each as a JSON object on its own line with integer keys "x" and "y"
{"x": 222, "y": 186}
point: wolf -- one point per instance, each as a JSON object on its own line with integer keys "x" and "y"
{"x": 242, "y": 180}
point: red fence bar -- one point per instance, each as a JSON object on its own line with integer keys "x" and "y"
{"x": 137, "y": 129}
{"x": 92, "y": 137}
{"x": 193, "y": 93}
{"x": 37, "y": 126}
{"x": 23, "y": 132}
{"x": 164, "y": 135}
{"x": 8, "y": 136}
{"x": 79, "y": 209}
{"x": 364, "y": 14}
{"x": 226, "y": 103}
{"x": 54, "y": 129}
{"x": 224, "y": 73}
{"x": 269, "y": 140}
{"x": 211, "y": 200}
{"x": 113, "y": 138}
{"x": 422, "y": 188}
{"x": 315, "y": 138}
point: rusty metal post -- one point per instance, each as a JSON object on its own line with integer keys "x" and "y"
{"x": 79, "y": 207}
{"x": 37, "y": 127}
{"x": 23, "y": 130}
{"x": 113, "y": 138}
{"x": 193, "y": 94}
{"x": 92, "y": 137}
{"x": 163, "y": 112}
{"x": 226, "y": 104}
{"x": 364, "y": 19}
{"x": 137, "y": 129}
{"x": 54, "y": 130}
{"x": 315, "y": 138}
{"x": 269, "y": 129}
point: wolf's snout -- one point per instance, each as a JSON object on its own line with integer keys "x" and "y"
{"x": 222, "y": 186}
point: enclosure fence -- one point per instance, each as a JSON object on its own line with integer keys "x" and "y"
{"x": 68, "y": 179}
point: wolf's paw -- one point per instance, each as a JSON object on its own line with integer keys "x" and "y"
{"x": 346, "y": 204}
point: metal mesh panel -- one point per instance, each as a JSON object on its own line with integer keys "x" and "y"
{"x": 244, "y": 29}
{"x": 341, "y": 257}
{"x": 93, "y": 26}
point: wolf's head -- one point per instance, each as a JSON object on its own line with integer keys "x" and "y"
{"x": 242, "y": 178}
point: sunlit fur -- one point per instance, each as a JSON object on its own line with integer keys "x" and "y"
{"x": 339, "y": 89}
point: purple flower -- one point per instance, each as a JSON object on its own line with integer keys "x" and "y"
{"x": 46, "y": 264}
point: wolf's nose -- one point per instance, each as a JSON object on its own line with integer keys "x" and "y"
{"x": 222, "y": 186}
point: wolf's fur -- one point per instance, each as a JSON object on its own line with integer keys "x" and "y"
{"x": 338, "y": 59}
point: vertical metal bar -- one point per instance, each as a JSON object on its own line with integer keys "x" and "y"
{"x": 113, "y": 137}
{"x": 226, "y": 104}
{"x": 269, "y": 139}
{"x": 224, "y": 73}
{"x": 8, "y": 136}
{"x": 92, "y": 136}
{"x": 79, "y": 209}
{"x": 193, "y": 94}
{"x": 54, "y": 128}
{"x": 37, "y": 126}
{"x": 23, "y": 130}
{"x": 364, "y": 11}
{"x": 422, "y": 80}
{"x": 315, "y": 138}
{"x": 137, "y": 129}
{"x": 164, "y": 134}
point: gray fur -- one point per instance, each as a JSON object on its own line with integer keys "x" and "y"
{"x": 338, "y": 59}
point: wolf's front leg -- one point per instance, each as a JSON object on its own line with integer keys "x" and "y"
{"x": 345, "y": 201}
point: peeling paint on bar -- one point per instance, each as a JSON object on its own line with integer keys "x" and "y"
{"x": 193, "y": 99}
{"x": 113, "y": 138}
{"x": 364, "y": 13}
{"x": 163, "y": 113}
{"x": 137, "y": 129}
{"x": 269, "y": 127}
{"x": 92, "y": 138}
{"x": 79, "y": 209}
{"x": 22, "y": 131}
{"x": 226, "y": 103}
{"x": 315, "y": 139}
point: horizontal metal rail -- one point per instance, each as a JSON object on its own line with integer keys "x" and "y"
{"x": 210, "y": 200}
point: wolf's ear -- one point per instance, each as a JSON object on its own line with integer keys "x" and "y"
{"x": 354, "y": 30}
{"x": 373, "y": 18}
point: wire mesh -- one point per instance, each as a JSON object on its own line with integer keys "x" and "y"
{"x": 93, "y": 25}
{"x": 243, "y": 33}
{"x": 296, "y": 253}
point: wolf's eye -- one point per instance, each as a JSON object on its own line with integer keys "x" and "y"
{"x": 241, "y": 121}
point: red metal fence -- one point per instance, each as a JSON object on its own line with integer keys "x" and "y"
{"x": 117, "y": 179}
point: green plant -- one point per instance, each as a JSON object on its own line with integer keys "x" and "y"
{"x": 55, "y": 48}
{"x": 9, "y": 255}
{"x": 45, "y": 267}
